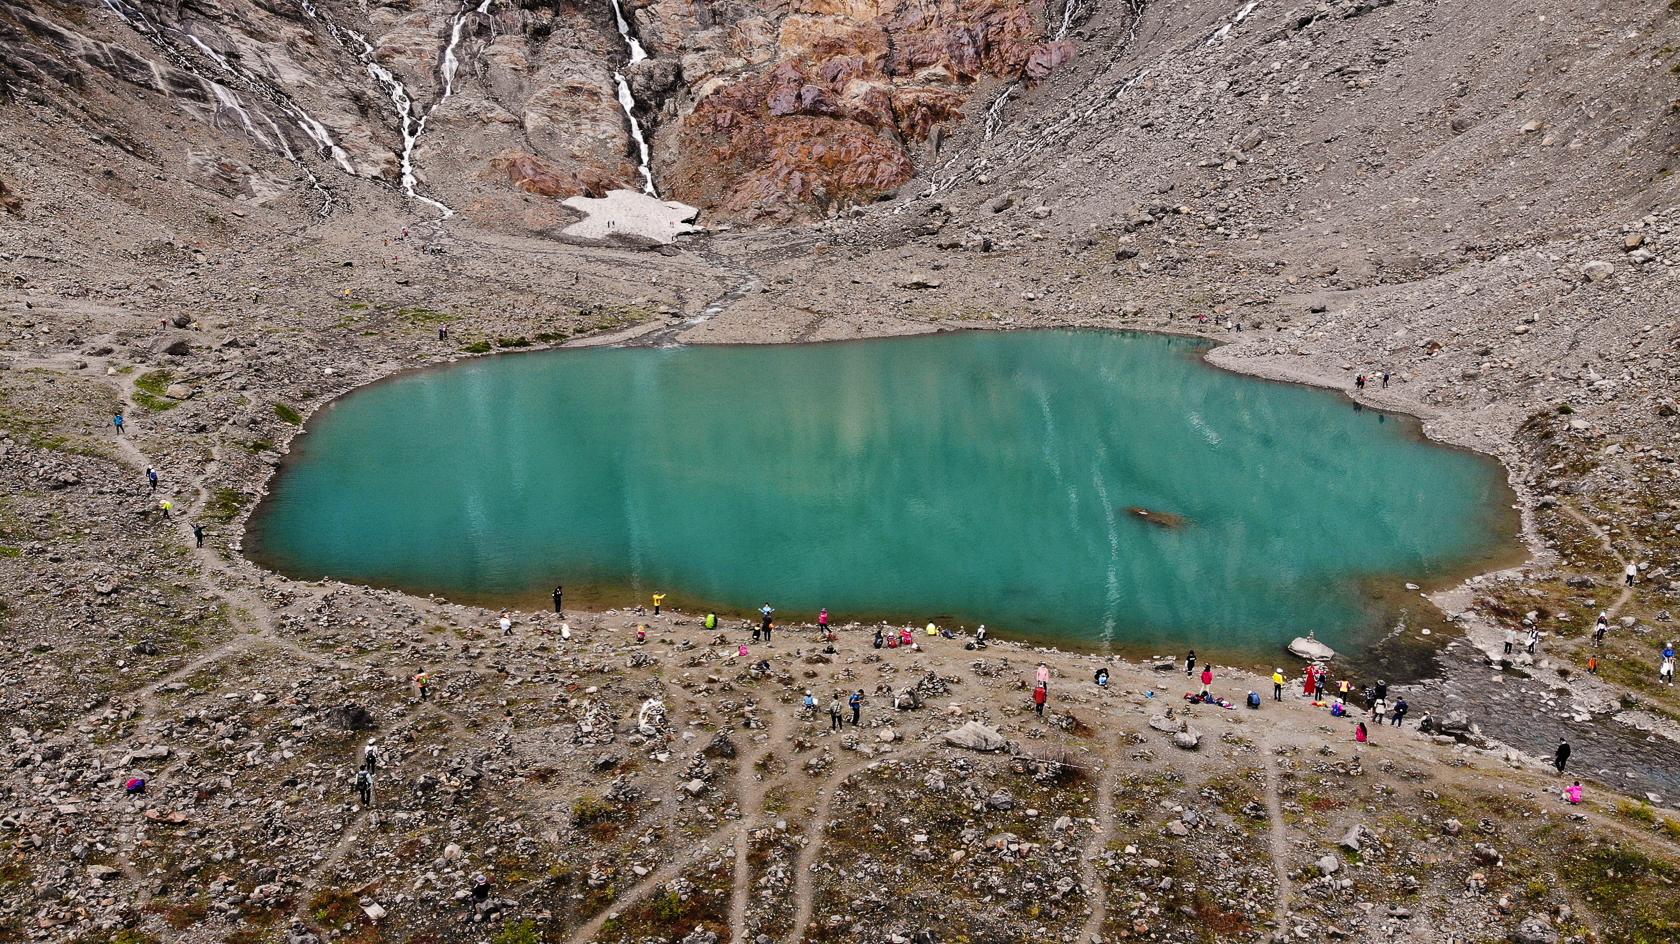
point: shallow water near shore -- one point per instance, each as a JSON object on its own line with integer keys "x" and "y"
{"x": 1085, "y": 488}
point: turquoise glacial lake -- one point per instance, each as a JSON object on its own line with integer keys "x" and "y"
{"x": 1104, "y": 489}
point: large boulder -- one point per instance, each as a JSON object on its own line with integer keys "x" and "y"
{"x": 975, "y": 736}
{"x": 1307, "y": 647}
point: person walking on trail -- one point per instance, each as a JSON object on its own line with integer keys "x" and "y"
{"x": 117, "y": 421}
{"x": 559, "y": 597}
{"x": 1601, "y": 627}
{"x": 1560, "y": 760}
{"x": 370, "y": 759}
{"x": 152, "y": 477}
{"x": 1190, "y": 663}
{"x": 658, "y": 601}
{"x": 198, "y": 533}
{"x": 1277, "y": 684}
{"x": 1207, "y": 679}
{"x": 1042, "y": 675}
{"x": 1533, "y": 639}
{"x": 1510, "y": 640}
{"x": 364, "y": 788}
{"x": 1041, "y": 694}
{"x": 855, "y": 702}
{"x": 166, "y": 506}
{"x": 422, "y": 684}
{"x": 1400, "y": 709}
{"x": 835, "y": 719}
{"x": 1632, "y": 572}
{"x": 506, "y": 622}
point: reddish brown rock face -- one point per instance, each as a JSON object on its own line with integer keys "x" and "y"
{"x": 843, "y": 95}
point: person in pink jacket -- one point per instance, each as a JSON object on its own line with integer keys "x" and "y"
{"x": 1042, "y": 676}
{"x": 1573, "y": 791}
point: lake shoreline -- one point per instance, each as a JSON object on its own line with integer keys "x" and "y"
{"x": 1521, "y": 549}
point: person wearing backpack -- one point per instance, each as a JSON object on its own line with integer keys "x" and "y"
{"x": 856, "y": 703}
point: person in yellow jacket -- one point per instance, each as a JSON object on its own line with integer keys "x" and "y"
{"x": 932, "y": 630}
{"x": 658, "y": 600}
{"x": 1277, "y": 685}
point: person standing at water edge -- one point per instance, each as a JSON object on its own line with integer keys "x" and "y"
{"x": 506, "y": 622}
{"x": 711, "y": 622}
{"x": 1560, "y": 760}
{"x": 1277, "y": 685}
{"x": 822, "y": 622}
{"x": 1190, "y": 663}
{"x": 1207, "y": 679}
{"x": 559, "y": 595}
{"x": 658, "y": 601}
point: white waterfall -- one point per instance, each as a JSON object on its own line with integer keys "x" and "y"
{"x": 451, "y": 64}
{"x": 1218, "y": 35}
{"x": 627, "y": 101}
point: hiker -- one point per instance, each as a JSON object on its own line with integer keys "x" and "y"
{"x": 856, "y": 704}
{"x": 1665, "y": 674}
{"x": 1385, "y": 379}
{"x": 422, "y": 684}
{"x": 1277, "y": 684}
{"x": 565, "y": 630}
{"x": 743, "y": 651}
{"x": 980, "y": 635}
{"x": 1592, "y": 665}
{"x": 1338, "y": 709}
{"x": 1207, "y": 679}
{"x": 1042, "y": 675}
{"x": 769, "y": 625}
{"x": 117, "y": 421}
{"x": 1190, "y": 663}
{"x": 641, "y": 634}
{"x": 834, "y": 717}
{"x": 1309, "y": 683}
{"x": 906, "y": 637}
{"x": 443, "y": 332}
{"x": 364, "y": 787}
{"x": 880, "y": 640}
{"x": 765, "y": 611}
{"x": 1400, "y": 708}
{"x": 1510, "y": 640}
{"x": 166, "y": 506}
{"x": 1573, "y": 792}
{"x": 710, "y": 621}
{"x": 198, "y": 533}
{"x": 1344, "y": 688}
{"x": 1533, "y": 639}
{"x": 1102, "y": 677}
{"x": 1041, "y": 694}
{"x": 1561, "y": 759}
{"x": 1254, "y": 699}
{"x": 822, "y": 623}
{"x": 1632, "y": 572}
{"x": 808, "y": 707}
{"x": 370, "y": 759}
{"x": 1359, "y": 732}
{"x": 152, "y": 477}
{"x": 1359, "y": 382}
{"x": 1601, "y": 627}
{"x": 506, "y": 622}
{"x": 559, "y": 594}
{"x": 1668, "y": 650}
{"x": 658, "y": 601}
{"x": 481, "y": 887}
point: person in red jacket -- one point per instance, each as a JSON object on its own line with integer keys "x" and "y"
{"x": 1207, "y": 678}
{"x": 1041, "y": 694}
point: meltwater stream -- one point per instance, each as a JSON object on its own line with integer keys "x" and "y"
{"x": 1102, "y": 488}
{"x": 627, "y": 101}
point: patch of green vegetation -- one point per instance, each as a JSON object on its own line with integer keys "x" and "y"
{"x": 520, "y": 341}
{"x": 224, "y": 505}
{"x": 334, "y": 907}
{"x": 1565, "y": 409}
{"x": 258, "y": 445}
{"x": 477, "y": 347}
{"x": 149, "y": 388}
{"x": 288, "y": 415}
{"x": 10, "y": 551}
{"x": 1632, "y": 892}
{"x": 590, "y": 808}
{"x": 519, "y": 932}
{"x": 420, "y": 316}
{"x": 552, "y": 337}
